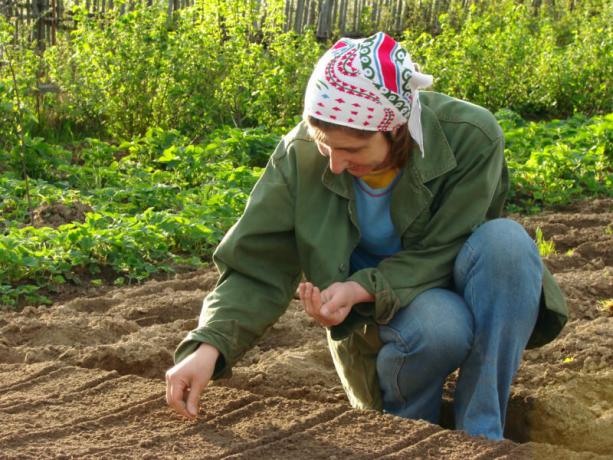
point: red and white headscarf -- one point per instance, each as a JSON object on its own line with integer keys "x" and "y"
{"x": 369, "y": 84}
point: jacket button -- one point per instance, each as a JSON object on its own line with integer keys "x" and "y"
{"x": 342, "y": 268}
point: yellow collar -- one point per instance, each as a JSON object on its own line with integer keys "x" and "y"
{"x": 380, "y": 179}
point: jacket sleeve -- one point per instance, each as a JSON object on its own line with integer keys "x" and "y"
{"x": 468, "y": 195}
{"x": 259, "y": 268}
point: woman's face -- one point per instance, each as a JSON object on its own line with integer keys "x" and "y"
{"x": 358, "y": 156}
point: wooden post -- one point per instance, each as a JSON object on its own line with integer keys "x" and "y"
{"x": 35, "y": 19}
{"x": 400, "y": 16}
{"x": 298, "y": 17}
{"x": 311, "y": 12}
{"x": 171, "y": 5}
{"x": 53, "y": 21}
{"x": 305, "y": 14}
{"x": 288, "y": 14}
{"x": 334, "y": 17}
{"x": 342, "y": 17}
{"x": 322, "y": 22}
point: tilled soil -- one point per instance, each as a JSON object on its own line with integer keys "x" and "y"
{"x": 84, "y": 378}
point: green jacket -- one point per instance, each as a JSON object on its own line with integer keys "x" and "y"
{"x": 301, "y": 218}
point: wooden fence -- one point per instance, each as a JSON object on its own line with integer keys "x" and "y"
{"x": 42, "y": 18}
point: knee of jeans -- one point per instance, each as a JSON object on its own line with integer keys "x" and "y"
{"x": 389, "y": 360}
{"x": 504, "y": 243}
{"x": 442, "y": 346}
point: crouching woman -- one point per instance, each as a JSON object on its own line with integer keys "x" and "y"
{"x": 388, "y": 199}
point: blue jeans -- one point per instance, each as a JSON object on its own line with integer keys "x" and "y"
{"x": 481, "y": 327}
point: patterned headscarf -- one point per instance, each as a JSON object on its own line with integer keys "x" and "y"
{"x": 369, "y": 84}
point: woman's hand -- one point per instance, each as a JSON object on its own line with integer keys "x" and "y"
{"x": 332, "y": 305}
{"x": 186, "y": 380}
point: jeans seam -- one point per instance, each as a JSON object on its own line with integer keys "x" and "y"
{"x": 398, "y": 338}
{"x": 470, "y": 263}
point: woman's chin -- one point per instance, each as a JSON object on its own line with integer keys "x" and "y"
{"x": 359, "y": 172}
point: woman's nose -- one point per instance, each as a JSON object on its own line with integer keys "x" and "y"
{"x": 337, "y": 163}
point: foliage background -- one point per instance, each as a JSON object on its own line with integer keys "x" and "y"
{"x": 161, "y": 127}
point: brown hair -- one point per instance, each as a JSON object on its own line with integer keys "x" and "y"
{"x": 400, "y": 142}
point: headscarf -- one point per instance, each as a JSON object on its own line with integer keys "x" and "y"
{"x": 368, "y": 84}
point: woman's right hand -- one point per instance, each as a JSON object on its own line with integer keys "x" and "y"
{"x": 186, "y": 380}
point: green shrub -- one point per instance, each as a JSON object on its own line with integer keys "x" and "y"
{"x": 157, "y": 201}
{"x": 559, "y": 161}
{"x": 129, "y": 73}
{"x": 504, "y": 56}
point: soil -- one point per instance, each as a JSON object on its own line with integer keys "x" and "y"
{"x": 84, "y": 378}
{"x": 56, "y": 214}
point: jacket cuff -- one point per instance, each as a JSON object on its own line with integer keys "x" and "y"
{"x": 360, "y": 314}
{"x": 193, "y": 340}
{"x": 386, "y": 302}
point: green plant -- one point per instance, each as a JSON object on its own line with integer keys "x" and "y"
{"x": 546, "y": 248}
{"x": 157, "y": 201}
{"x": 501, "y": 55}
{"x": 555, "y": 162}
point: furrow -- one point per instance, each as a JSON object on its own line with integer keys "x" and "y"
{"x": 27, "y": 380}
{"x": 81, "y": 423}
{"x": 445, "y": 444}
{"x": 502, "y": 449}
{"x": 348, "y": 435}
{"x": 137, "y": 440}
{"x": 422, "y": 433}
{"x": 94, "y": 384}
{"x": 258, "y": 447}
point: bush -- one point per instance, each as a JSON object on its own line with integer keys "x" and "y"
{"x": 557, "y": 162}
{"x": 505, "y": 56}
{"x": 129, "y": 73}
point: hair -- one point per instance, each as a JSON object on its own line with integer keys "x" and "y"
{"x": 400, "y": 142}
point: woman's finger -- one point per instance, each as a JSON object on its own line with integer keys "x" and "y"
{"x": 177, "y": 391}
{"x": 316, "y": 301}
{"x": 306, "y": 298}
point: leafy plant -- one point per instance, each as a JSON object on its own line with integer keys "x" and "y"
{"x": 546, "y": 248}
{"x": 556, "y": 162}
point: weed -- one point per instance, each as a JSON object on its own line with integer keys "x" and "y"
{"x": 546, "y": 248}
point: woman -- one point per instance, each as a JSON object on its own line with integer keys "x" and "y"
{"x": 388, "y": 200}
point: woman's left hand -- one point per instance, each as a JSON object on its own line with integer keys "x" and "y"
{"x": 332, "y": 305}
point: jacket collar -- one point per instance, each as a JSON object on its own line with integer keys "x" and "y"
{"x": 438, "y": 157}
{"x": 437, "y": 160}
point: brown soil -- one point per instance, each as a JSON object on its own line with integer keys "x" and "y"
{"x": 54, "y": 215}
{"x": 84, "y": 378}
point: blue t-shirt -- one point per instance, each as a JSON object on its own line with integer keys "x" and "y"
{"x": 378, "y": 235}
